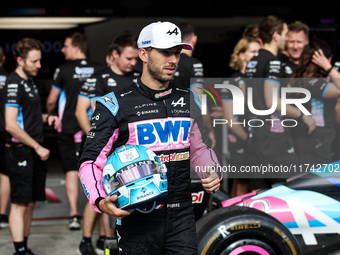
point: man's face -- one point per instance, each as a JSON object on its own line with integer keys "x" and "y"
{"x": 31, "y": 64}
{"x": 295, "y": 43}
{"x": 162, "y": 63}
{"x": 282, "y": 37}
{"x": 127, "y": 59}
{"x": 68, "y": 49}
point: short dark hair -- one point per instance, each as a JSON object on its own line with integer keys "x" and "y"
{"x": 269, "y": 26}
{"x": 24, "y": 46}
{"x": 79, "y": 40}
{"x": 298, "y": 26}
{"x": 122, "y": 41}
{"x": 187, "y": 31}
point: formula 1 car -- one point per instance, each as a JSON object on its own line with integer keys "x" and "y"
{"x": 301, "y": 216}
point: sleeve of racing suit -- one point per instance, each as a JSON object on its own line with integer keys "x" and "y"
{"x": 200, "y": 154}
{"x": 104, "y": 132}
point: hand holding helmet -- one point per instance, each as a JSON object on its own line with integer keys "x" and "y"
{"x": 136, "y": 176}
{"x": 108, "y": 206}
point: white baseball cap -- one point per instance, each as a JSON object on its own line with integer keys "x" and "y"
{"x": 161, "y": 35}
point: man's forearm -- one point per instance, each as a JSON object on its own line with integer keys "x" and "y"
{"x": 21, "y": 135}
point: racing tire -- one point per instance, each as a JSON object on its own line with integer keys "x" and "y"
{"x": 242, "y": 230}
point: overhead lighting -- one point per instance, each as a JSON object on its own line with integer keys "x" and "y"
{"x": 46, "y": 22}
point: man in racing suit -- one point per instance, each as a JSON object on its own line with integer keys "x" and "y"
{"x": 156, "y": 114}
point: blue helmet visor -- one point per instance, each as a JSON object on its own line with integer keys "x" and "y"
{"x": 132, "y": 173}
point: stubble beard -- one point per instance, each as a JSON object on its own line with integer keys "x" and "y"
{"x": 156, "y": 73}
{"x": 30, "y": 73}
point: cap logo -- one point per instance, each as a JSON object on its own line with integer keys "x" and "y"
{"x": 146, "y": 42}
{"x": 173, "y": 32}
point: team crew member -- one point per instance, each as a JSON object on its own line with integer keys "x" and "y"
{"x": 67, "y": 81}
{"x": 122, "y": 58}
{"x": 315, "y": 66}
{"x": 189, "y": 67}
{"x": 297, "y": 39}
{"x": 138, "y": 115}
{"x": 243, "y": 51}
{"x": 189, "y": 73}
{"x": 271, "y": 144}
{"x": 119, "y": 73}
{"x": 4, "y": 180}
{"x": 25, "y": 153}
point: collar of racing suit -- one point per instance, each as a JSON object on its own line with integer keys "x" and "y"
{"x": 154, "y": 94}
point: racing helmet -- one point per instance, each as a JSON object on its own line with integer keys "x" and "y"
{"x": 136, "y": 175}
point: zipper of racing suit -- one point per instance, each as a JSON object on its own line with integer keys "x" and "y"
{"x": 168, "y": 224}
{"x": 166, "y": 112}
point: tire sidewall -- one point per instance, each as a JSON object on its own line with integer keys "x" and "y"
{"x": 223, "y": 229}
